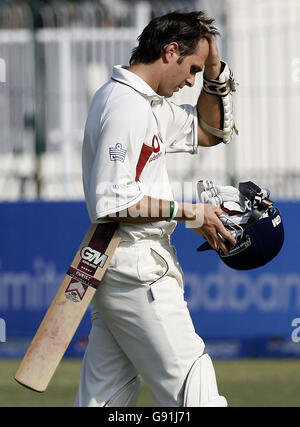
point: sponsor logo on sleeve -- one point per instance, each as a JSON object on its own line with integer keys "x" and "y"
{"x": 155, "y": 149}
{"x": 117, "y": 153}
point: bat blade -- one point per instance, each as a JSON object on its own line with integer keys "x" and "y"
{"x": 68, "y": 306}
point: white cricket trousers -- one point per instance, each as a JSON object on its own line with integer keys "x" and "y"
{"x": 140, "y": 325}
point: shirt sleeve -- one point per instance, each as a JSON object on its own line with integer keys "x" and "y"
{"x": 182, "y": 134}
{"x": 112, "y": 184}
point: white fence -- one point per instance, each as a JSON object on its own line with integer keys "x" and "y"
{"x": 52, "y": 73}
{"x": 264, "y": 38}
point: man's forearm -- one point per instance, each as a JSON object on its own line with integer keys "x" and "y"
{"x": 202, "y": 217}
{"x": 149, "y": 209}
{"x": 209, "y": 109}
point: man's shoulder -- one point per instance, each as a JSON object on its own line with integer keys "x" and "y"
{"x": 120, "y": 96}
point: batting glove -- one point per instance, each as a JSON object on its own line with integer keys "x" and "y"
{"x": 236, "y": 208}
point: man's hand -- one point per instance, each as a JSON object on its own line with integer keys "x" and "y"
{"x": 212, "y": 64}
{"x": 212, "y": 228}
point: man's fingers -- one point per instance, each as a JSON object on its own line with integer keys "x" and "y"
{"x": 205, "y": 26}
{"x": 214, "y": 231}
{"x": 222, "y": 230}
{"x": 213, "y": 242}
{"x": 225, "y": 234}
{"x": 224, "y": 248}
{"x": 217, "y": 243}
{"x": 209, "y": 37}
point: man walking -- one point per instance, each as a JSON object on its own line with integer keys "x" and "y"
{"x": 140, "y": 320}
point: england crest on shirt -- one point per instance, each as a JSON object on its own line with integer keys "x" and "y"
{"x": 117, "y": 153}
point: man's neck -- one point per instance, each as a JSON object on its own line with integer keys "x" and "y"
{"x": 151, "y": 73}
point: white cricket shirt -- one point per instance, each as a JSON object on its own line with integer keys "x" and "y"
{"x": 127, "y": 124}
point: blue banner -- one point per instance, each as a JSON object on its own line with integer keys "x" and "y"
{"x": 245, "y": 313}
{"x": 251, "y": 313}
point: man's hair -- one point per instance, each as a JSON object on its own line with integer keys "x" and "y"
{"x": 184, "y": 28}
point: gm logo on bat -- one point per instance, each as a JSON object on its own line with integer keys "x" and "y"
{"x": 93, "y": 256}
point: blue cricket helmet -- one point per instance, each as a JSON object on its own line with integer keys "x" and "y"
{"x": 261, "y": 241}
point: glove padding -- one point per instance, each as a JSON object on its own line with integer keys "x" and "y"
{"x": 237, "y": 208}
{"x": 258, "y": 197}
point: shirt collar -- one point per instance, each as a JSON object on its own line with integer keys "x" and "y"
{"x": 123, "y": 75}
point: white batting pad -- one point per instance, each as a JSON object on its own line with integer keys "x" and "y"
{"x": 127, "y": 396}
{"x": 201, "y": 388}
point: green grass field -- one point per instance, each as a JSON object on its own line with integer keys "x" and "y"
{"x": 249, "y": 382}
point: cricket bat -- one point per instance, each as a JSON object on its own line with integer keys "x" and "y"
{"x": 68, "y": 307}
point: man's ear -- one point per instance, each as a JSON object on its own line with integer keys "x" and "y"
{"x": 170, "y": 51}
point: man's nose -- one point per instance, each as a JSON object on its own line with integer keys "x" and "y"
{"x": 190, "y": 81}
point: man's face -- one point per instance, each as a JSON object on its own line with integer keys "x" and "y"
{"x": 179, "y": 75}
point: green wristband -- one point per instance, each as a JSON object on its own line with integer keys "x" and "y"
{"x": 172, "y": 211}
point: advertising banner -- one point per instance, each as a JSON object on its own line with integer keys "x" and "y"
{"x": 237, "y": 313}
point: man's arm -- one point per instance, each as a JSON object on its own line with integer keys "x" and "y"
{"x": 201, "y": 217}
{"x": 215, "y": 104}
{"x": 208, "y": 106}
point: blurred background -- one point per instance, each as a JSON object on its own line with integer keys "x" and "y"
{"x": 57, "y": 53}
{"x": 54, "y": 55}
